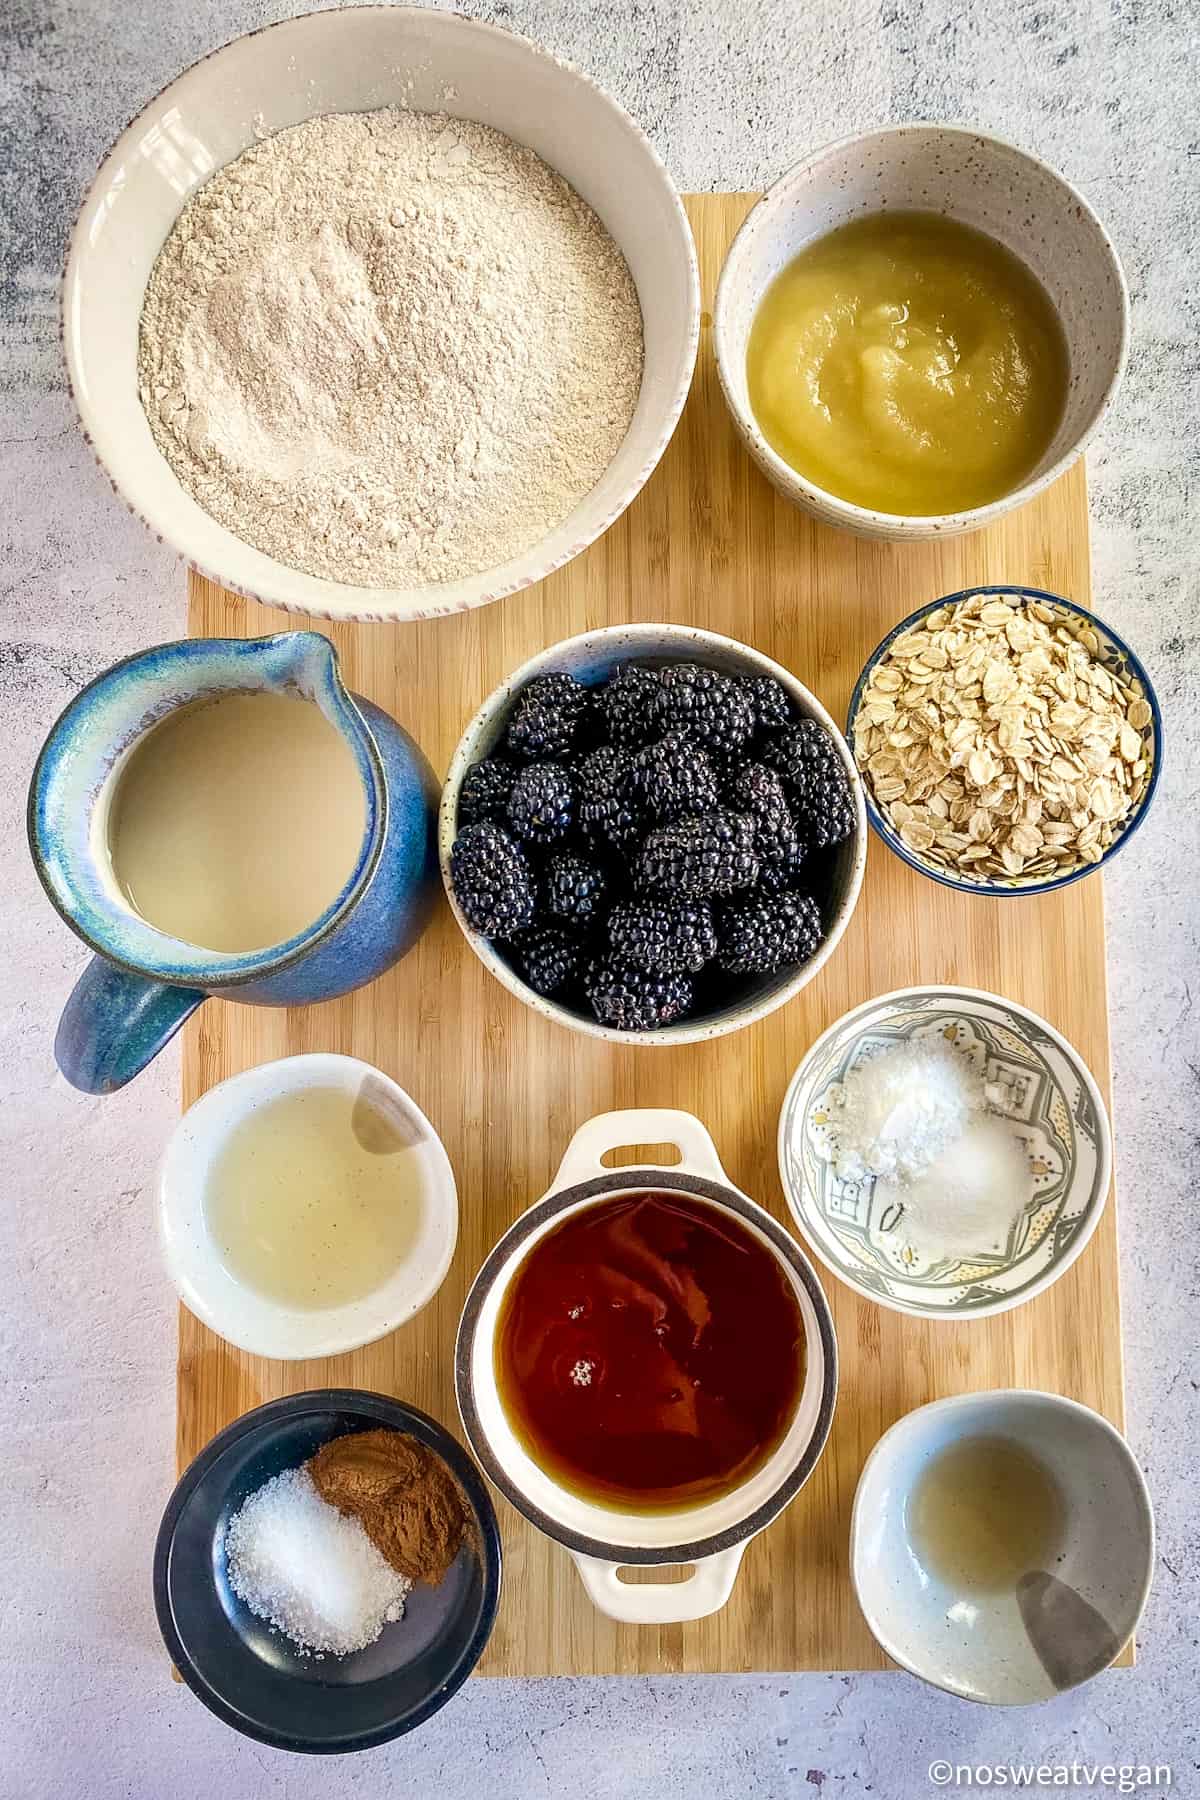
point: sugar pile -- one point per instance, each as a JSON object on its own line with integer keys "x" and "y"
{"x": 901, "y": 1109}
{"x": 309, "y": 1570}
{"x": 965, "y": 1204}
{"x": 952, "y": 1178}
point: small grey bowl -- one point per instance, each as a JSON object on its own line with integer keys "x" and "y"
{"x": 591, "y": 658}
{"x": 980, "y": 181}
{"x": 1054, "y": 1628}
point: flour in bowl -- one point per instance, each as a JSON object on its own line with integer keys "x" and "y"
{"x": 389, "y": 348}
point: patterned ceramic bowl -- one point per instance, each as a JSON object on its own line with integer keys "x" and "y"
{"x": 980, "y": 181}
{"x": 1113, "y": 654}
{"x": 1057, "y": 1114}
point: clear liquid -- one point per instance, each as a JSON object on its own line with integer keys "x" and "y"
{"x": 983, "y": 1513}
{"x": 318, "y": 1196}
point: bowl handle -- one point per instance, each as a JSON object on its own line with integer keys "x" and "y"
{"x": 665, "y": 1602}
{"x": 639, "y": 1125}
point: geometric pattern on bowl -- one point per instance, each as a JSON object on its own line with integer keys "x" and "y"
{"x": 1052, "y": 1104}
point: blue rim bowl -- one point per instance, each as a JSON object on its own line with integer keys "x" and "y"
{"x": 1114, "y": 649}
{"x": 253, "y": 1677}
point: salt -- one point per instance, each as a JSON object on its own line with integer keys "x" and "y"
{"x": 309, "y": 1570}
{"x": 965, "y": 1204}
{"x": 901, "y": 1109}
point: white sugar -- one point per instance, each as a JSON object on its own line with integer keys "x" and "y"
{"x": 901, "y": 1109}
{"x": 308, "y": 1569}
{"x": 966, "y": 1203}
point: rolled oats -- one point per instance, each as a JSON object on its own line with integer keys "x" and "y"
{"x": 997, "y": 743}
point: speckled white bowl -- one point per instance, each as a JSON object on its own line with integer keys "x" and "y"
{"x": 980, "y": 181}
{"x": 353, "y": 60}
{"x": 1055, "y": 1109}
{"x": 1057, "y": 1627}
{"x": 591, "y": 658}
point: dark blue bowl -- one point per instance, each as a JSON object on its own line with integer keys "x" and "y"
{"x": 1114, "y": 653}
{"x": 253, "y": 1677}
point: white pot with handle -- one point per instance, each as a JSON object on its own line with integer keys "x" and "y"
{"x": 712, "y": 1534}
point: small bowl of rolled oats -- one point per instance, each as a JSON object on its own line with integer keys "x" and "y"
{"x": 1009, "y": 742}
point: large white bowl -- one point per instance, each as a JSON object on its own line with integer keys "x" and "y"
{"x": 353, "y": 61}
{"x": 980, "y": 181}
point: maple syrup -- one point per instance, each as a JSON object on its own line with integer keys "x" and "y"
{"x": 650, "y": 1352}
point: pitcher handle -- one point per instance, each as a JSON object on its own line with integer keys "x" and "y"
{"x": 116, "y": 1022}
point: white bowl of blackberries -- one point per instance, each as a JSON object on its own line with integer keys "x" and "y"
{"x": 654, "y": 834}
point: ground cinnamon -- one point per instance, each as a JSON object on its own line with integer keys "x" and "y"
{"x": 405, "y": 1497}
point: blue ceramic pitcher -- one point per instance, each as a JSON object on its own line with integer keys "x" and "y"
{"x": 142, "y": 984}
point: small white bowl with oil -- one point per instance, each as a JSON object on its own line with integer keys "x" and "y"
{"x": 1002, "y": 1544}
{"x": 306, "y": 1207}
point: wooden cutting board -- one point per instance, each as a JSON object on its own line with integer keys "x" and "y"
{"x": 707, "y": 543}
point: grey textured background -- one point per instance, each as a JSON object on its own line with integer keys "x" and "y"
{"x": 731, "y": 93}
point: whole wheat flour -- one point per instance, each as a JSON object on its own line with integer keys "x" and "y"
{"x": 389, "y": 348}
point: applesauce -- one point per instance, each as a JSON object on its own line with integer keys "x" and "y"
{"x": 908, "y": 364}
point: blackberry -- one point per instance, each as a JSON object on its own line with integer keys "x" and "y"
{"x": 492, "y": 880}
{"x": 697, "y": 859}
{"x": 574, "y": 888}
{"x": 608, "y": 813}
{"x": 755, "y": 789}
{"x": 550, "y": 718}
{"x": 633, "y": 1000}
{"x": 767, "y": 932}
{"x": 663, "y": 938}
{"x": 779, "y": 874}
{"x": 548, "y": 958}
{"x": 815, "y": 777}
{"x": 713, "y": 709}
{"x": 773, "y": 710}
{"x": 541, "y": 806}
{"x": 829, "y": 813}
{"x": 485, "y": 790}
{"x": 627, "y": 704}
{"x": 674, "y": 779}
